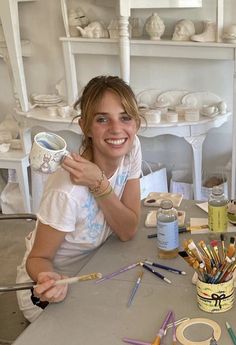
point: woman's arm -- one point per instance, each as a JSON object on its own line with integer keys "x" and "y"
{"x": 123, "y": 215}
{"x": 40, "y": 267}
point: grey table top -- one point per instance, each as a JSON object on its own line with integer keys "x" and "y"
{"x": 97, "y": 313}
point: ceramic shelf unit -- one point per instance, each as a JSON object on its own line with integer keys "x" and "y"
{"x": 194, "y": 133}
{"x": 10, "y": 22}
{"x": 126, "y": 48}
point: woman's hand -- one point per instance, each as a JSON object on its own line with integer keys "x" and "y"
{"x": 46, "y": 289}
{"x": 82, "y": 171}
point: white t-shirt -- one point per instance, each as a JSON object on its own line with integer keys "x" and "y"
{"x": 72, "y": 208}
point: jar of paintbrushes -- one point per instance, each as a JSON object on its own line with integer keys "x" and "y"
{"x": 214, "y": 265}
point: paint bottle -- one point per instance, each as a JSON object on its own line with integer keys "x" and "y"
{"x": 217, "y": 210}
{"x": 167, "y": 230}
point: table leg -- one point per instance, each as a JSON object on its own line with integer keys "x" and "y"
{"x": 196, "y": 144}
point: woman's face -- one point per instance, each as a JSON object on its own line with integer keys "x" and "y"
{"x": 112, "y": 130}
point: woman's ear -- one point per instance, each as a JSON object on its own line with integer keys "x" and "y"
{"x": 81, "y": 124}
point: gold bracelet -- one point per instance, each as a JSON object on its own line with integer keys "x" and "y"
{"x": 99, "y": 192}
{"x": 107, "y": 192}
{"x": 96, "y": 189}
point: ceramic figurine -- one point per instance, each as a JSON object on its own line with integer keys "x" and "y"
{"x": 136, "y": 30}
{"x": 184, "y": 29}
{"x": 230, "y": 34}
{"x": 208, "y": 34}
{"x": 94, "y": 30}
{"x": 155, "y": 27}
{"x": 76, "y": 18}
{"x": 113, "y": 28}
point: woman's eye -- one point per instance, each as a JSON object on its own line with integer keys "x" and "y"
{"x": 101, "y": 119}
{"x": 126, "y": 118}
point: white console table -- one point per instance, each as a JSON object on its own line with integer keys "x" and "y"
{"x": 193, "y": 132}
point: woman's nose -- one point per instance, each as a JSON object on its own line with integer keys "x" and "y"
{"x": 115, "y": 127}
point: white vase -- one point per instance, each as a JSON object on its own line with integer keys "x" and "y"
{"x": 155, "y": 27}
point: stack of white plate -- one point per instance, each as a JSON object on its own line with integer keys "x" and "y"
{"x": 47, "y": 100}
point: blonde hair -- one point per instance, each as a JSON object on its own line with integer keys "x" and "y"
{"x": 90, "y": 99}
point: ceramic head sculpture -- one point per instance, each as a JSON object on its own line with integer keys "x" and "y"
{"x": 184, "y": 29}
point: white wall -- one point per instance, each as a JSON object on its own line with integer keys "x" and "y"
{"x": 41, "y": 22}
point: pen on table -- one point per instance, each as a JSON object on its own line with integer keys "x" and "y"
{"x": 231, "y": 333}
{"x": 157, "y": 274}
{"x": 135, "y": 288}
{"x": 167, "y": 268}
{"x": 121, "y": 270}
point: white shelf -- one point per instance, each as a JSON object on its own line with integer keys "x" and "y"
{"x": 154, "y": 3}
{"x": 149, "y": 48}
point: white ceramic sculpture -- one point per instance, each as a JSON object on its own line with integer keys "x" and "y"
{"x": 230, "y": 34}
{"x": 136, "y": 30}
{"x": 155, "y": 27}
{"x": 208, "y": 34}
{"x": 184, "y": 29}
{"x": 94, "y": 30}
{"x": 76, "y": 17}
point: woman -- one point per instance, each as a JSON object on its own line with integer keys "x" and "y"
{"x": 95, "y": 194}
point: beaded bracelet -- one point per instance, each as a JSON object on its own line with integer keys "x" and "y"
{"x": 96, "y": 189}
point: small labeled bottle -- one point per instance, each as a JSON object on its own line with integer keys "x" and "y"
{"x": 217, "y": 210}
{"x": 167, "y": 230}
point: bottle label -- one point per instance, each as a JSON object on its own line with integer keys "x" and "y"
{"x": 167, "y": 235}
{"x": 217, "y": 218}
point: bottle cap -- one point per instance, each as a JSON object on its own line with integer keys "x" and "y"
{"x": 217, "y": 190}
{"x": 166, "y": 204}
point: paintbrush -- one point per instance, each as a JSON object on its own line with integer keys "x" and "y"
{"x": 157, "y": 340}
{"x": 135, "y": 288}
{"x": 119, "y": 271}
{"x": 30, "y": 285}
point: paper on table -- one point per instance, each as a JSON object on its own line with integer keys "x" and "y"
{"x": 203, "y": 206}
{"x": 200, "y": 222}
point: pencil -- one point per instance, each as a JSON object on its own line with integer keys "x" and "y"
{"x": 167, "y": 268}
{"x": 135, "y": 288}
{"x": 157, "y": 274}
{"x": 231, "y": 333}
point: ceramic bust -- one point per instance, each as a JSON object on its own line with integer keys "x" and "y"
{"x": 93, "y": 30}
{"x": 155, "y": 27}
{"x": 184, "y": 29}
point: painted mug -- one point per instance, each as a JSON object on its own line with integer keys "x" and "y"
{"x": 48, "y": 150}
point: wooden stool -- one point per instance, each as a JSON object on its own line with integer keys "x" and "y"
{"x": 18, "y": 160}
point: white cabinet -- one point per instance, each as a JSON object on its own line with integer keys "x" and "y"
{"x": 10, "y": 23}
{"x": 126, "y": 48}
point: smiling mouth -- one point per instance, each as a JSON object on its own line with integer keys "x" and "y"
{"x": 115, "y": 141}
